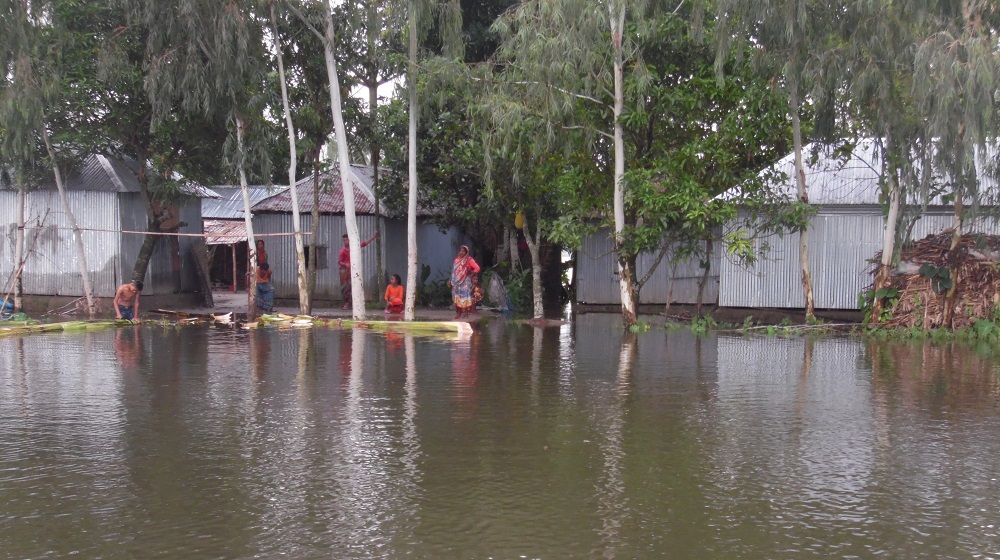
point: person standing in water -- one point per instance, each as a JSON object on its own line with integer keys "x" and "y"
{"x": 126, "y": 302}
{"x": 344, "y": 262}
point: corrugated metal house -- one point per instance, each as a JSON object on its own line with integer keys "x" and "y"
{"x": 844, "y": 234}
{"x": 274, "y": 215}
{"x": 226, "y": 232}
{"x": 105, "y": 197}
{"x": 597, "y": 275}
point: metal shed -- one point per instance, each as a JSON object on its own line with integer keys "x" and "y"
{"x": 844, "y": 234}
{"x": 597, "y": 275}
{"x": 106, "y": 201}
{"x": 274, "y": 215}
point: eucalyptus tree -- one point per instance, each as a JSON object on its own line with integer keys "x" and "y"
{"x": 561, "y": 53}
{"x": 121, "y": 121}
{"x": 956, "y": 79}
{"x": 450, "y": 24}
{"x": 33, "y": 93}
{"x": 308, "y": 96}
{"x": 373, "y": 60}
{"x": 328, "y": 37}
{"x": 208, "y": 58}
{"x": 300, "y": 258}
{"x": 782, "y": 34}
{"x": 923, "y": 77}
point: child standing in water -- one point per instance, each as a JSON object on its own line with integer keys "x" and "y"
{"x": 394, "y": 295}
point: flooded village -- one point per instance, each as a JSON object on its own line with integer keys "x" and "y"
{"x": 499, "y": 279}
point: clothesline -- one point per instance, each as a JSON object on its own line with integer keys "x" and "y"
{"x": 237, "y": 236}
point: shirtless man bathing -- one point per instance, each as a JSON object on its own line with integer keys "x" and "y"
{"x": 127, "y": 301}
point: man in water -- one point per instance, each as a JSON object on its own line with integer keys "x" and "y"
{"x": 127, "y": 300}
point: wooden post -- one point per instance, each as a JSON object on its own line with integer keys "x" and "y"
{"x": 236, "y": 284}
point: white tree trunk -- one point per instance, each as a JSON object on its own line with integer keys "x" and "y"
{"x": 81, "y": 253}
{"x": 346, "y": 177}
{"x": 625, "y": 273}
{"x": 538, "y": 310}
{"x": 891, "y": 222}
{"x": 800, "y": 181}
{"x": 248, "y": 220}
{"x": 300, "y": 254}
{"x": 411, "y": 208}
{"x": 19, "y": 257}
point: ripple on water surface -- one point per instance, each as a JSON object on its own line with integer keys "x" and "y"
{"x": 577, "y": 441}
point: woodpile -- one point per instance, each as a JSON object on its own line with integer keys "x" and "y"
{"x": 931, "y": 275}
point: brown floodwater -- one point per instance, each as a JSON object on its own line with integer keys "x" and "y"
{"x": 578, "y": 441}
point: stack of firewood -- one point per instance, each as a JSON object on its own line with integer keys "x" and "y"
{"x": 930, "y": 275}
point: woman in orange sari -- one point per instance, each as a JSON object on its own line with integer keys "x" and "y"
{"x": 462, "y": 271}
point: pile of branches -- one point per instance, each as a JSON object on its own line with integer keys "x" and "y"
{"x": 931, "y": 277}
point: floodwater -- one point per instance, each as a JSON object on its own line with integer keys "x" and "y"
{"x": 568, "y": 442}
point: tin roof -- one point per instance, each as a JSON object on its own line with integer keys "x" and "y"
{"x": 839, "y": 176}
{"x": 230, "y": 204}
{"x": 107, "y": 174}
{"x": 331, "y": 194}
{"x": 224, "y": 232}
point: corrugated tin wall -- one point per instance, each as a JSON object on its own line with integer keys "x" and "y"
{"x": 281, "y": 253}
{"x": 394, "y": 249}
{"x": 438, "y": 249}
{"x": 597, "y": 276}
{"x": 52, "y": 269}
{"x": 840, "y": 244}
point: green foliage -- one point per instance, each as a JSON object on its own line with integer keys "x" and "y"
{"x": 866, "y": 303}
{"x": 433, "y": 293}
{"x": 701, "y": 326}
{"x": 940, "y": 278}
{"x": 518, "y": 284}
{"x": 640, "y": 327}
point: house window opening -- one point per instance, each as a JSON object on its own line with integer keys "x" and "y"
{"x": 321, "y": 262}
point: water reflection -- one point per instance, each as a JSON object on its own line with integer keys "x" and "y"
{"x": 577, "y": 441}
{"x": 612, "y": 501}
{"x": 465, "y": 375}
{"x": 127, "y": 348}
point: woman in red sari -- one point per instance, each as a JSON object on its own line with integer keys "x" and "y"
{"x": 462, "y": 271}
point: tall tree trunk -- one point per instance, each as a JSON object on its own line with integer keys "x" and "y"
{"x": 247, "y": 219}
{"x": 346, "y": 178}
{"x": 300, "y": 257}
{"x": 19, "y": 250}
{"x": 888, "y": 241}
{"x": 626, "y": 273}
{"x": 373, "y": 25}
{"x": 313, "y": 232}
{"x": 411, "y": 207}
{"x": 153, "y": 220}
{"x": 706, "y": 268}
{"x": 538, "y": 310}
{"x": 800, "y": 182}
{"x": 956, "y": 238}
{"x": 81, "y": 252}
